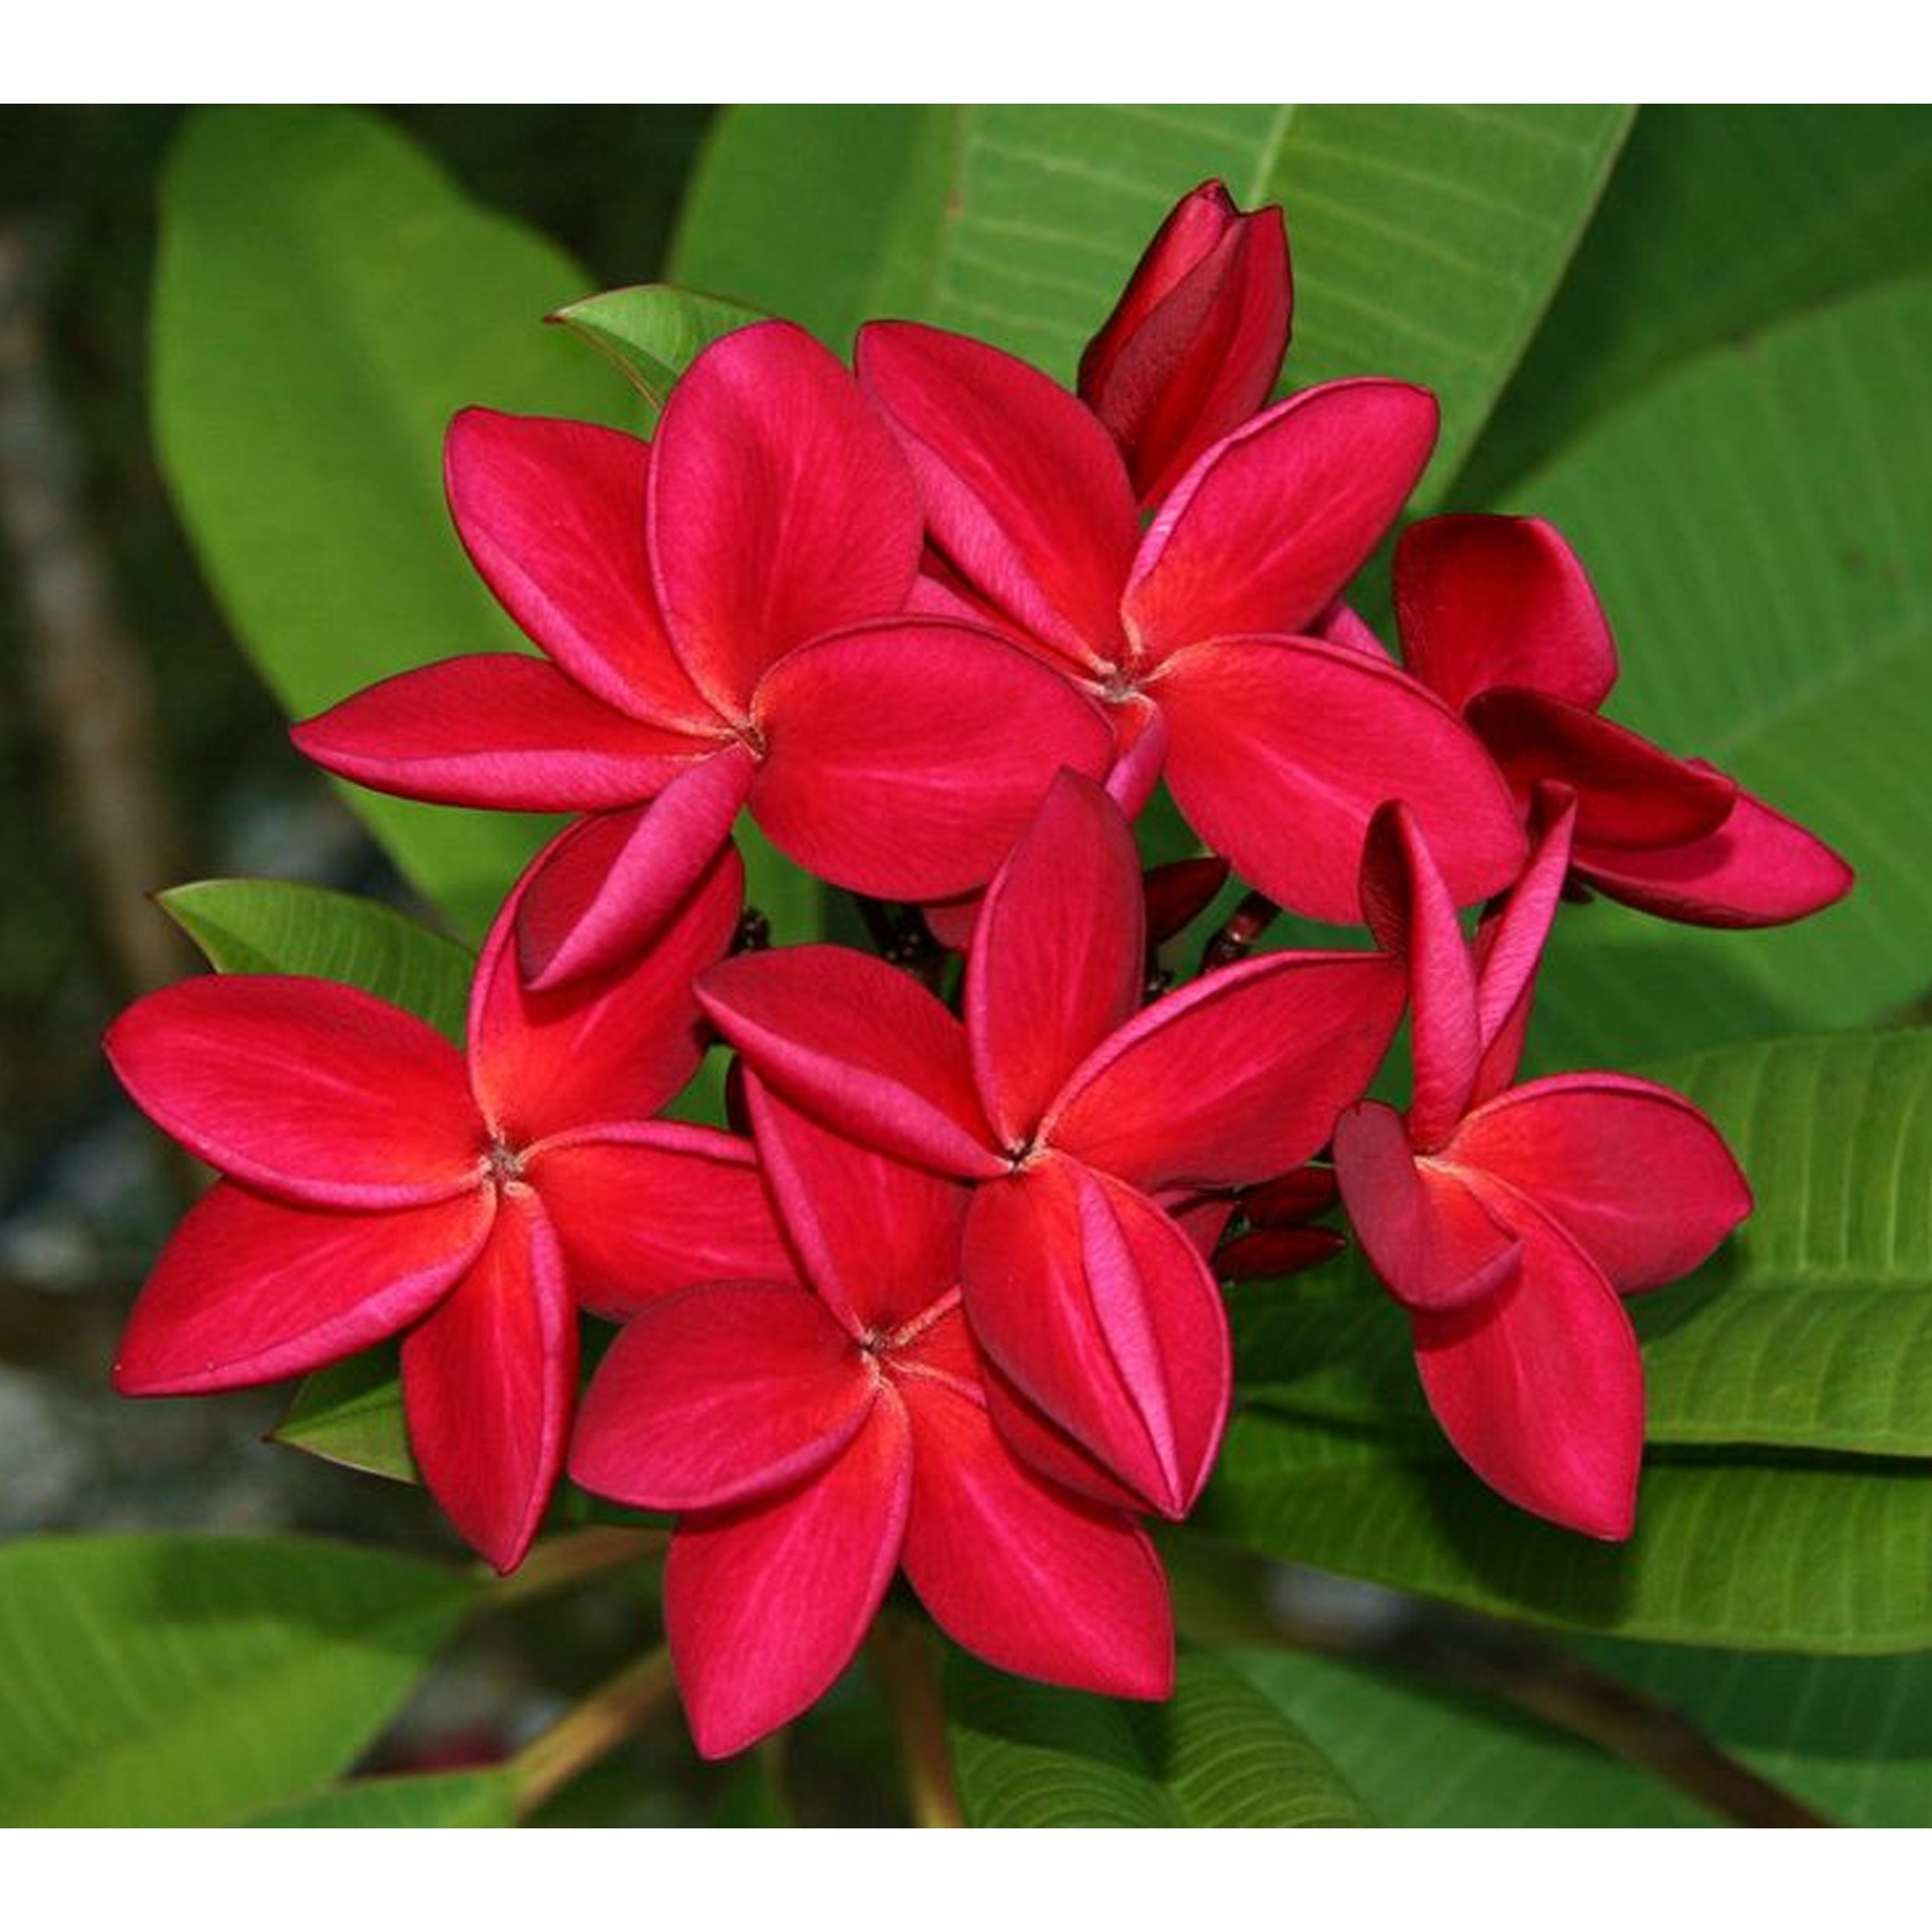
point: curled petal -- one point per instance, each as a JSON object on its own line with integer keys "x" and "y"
{"x": 1178, "y": 893}
{"x": 1266, "y": 1254}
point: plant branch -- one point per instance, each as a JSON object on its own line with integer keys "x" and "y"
{"x": 900, "y": 1649}
{"x": 561, "y": 1561}
{"x": 618, "y": 1707}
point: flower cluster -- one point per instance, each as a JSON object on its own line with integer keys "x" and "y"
{"x": 946, "y": 1300}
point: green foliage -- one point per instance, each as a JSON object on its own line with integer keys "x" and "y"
{"x": 475, "y": 1799}
{"x": 351, "y": 1413}
{"x": 652, "y": 333}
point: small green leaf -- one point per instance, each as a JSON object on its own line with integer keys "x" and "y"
{"x": 654, "y": 333}
{"x": 1217, "y": 1753}
{"x": 351, "y": 1413}
{"x": 472, "y": 1799}
{"x": 192, "y": 1680}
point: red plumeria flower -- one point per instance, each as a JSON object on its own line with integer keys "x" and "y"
{"x": 1508, "y": 1221}
{"x": 1498, "y": 619}
{"x": 1278, "y": 746}
{"x": 1077, "y": 1115}
{"x": 378, "y": 1181}
{"x": 718, "y": 609}
{"x": 1194, "y": 346}
{"x": 818, "y": 1438}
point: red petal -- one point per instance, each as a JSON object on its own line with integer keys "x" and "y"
{"x": 321, "y": 1093}
{"x": 1267, "y": 528}
{"x": 1024, "y": 490}
{"x": 1488, "y": 601}
{"x": 497, "y": 730}
{"x": 1178, "y": 893}
{"x": 641, "y": 1210}
{"x": 1633, "y": 1172}
{"x": 251, "y": 1290}
{"x": 1291, "y": 1198}
{"x": 860, "y": 1048}
{"x": 1280, "y": 749}
{"x": 903, "y": 760}
{"x": 719, "y": 1396}
{"x": 1237, "y": 1076}
{"x": 1541, "y": 1388}
{"x": 613, "y": 1045}
{"x": 765, "y": 1605}
{"x": 1047, "y": 1450}
{"x": 1432, "y": 1241}
{"x": 603, "y": 888}
{"x": 1267, "y": 1254}
{"x": 1024, "y": 1575}
{"x": 1058, "y": 956}
{"x": 489, "y": 1383}
{"x": 781, "y": 507}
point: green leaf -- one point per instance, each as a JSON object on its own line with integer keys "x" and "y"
{"x": 191, "y": 1680}
{"x": 1423, "y": 1754}
{"x": 1426, "y": 240}
{"x": 325, "y": 298}
{"x": 653, "y": 333}
{"x": 475, "y": 1799}
{"x": 351, "y": 1413}
{"x": 1217, "y": 1753}
{"x": 1743, "y": 1555}
{"x": 1756, "y": 526}
{"x": 264, "y": 925}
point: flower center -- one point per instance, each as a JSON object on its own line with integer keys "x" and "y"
{"x": 503, "y": 1164}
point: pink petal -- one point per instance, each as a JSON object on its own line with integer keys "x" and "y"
{"x": 489, "y": 1380}
{"x": 721, "y": 1395}
{"x": 1058, "y": 956}
{"x": 1100, "y": 1311}
{"x": 1489, "y": 601}
{"x": 641, "y": 1209}
{"x": 304, "y": 1089}
{"x": 1024, "y": 490}
{"x": 1236, "y": 1077}
{"x": 1280, "y": 749}
{"x": 1140, "y": 753}
{"x": 603, "y": 889}
{"x": 1023, "y": 1575}
{"x": 1633, "y": 1172}
{"x": 614, "y": 1044}
{"x": 764, "y": 1605}
{"x": 1267, "y": 528}
{"x": 780, "y": 507}
{"x": 500, "y": 731}
{"x": 1541, "y": 1388}
{"x": 1759, "y": 867}
{"x": 251, "y": 1290}
{"x": 860, "y": 1047}
{"x": 903, "y": 760}
{"x": 879, "y": 1240}
{"x": 1432, "y": 1241}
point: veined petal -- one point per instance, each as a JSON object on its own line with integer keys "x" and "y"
{"x": 859, "y": 1046}
{"x": 642, "y": 1209}
{"x": 1236, "y": 1077}
{"x": 496, "y": 730}
{"x": 721, "y": 1395}
{"x": 1058, "y": 955}
{"x": 1140, "y": 753}
{"x": 1048, "y": 1450}
{"x": 251, "y": 1290}
{"x": 1280, "y": 749}
{"x": 765, "y": 1605}
{"x": 317, "y": 1092}
{"x": 1489, "y": 601}
{"x": 489, "y": 1380}
{"x": 1432, "y": 1241}
{"x": 780, "y": 507}
{"x": 1265, "y": 530}
{"x": 1634, "y": 1173}
{"x": 903, "y": 760}
{"x": 1023, "y": 489}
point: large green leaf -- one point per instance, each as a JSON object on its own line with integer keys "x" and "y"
{"x": 1757, "y": 528}
{"x": 1744, "y": 1555}
{"x": 447, "y": 1800}
{"x": 1427, "y": 240}
{"x": 1217, "y": 1753}
{"x": 191, "y": 1680}
{"x": 325, "y": 298}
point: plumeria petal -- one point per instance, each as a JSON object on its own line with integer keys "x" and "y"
{"x": 1265, "y": 1254}
{"x": 780, "y": 507}
{"x": 1280, "y": 749}
{"x": 319, "y": 1093}
{"x": 903, "y": 760}
{"x": 1489, "y": 601}
{"x": 721, "y": 1395}
{"x": 1047, "y": 1449}
{"x": 1179, "y": 892}
{"x": 1270, "y": 523}
{"x": 489, "y": 1382}
{"x": 251, "y": 1290}
{"x": 765, "y": 1605}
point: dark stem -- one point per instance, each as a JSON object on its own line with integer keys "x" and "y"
{"x": 900, "y": 1650}
{"x": 618, "y": 1707}
{"x": 1236, "y": 939}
